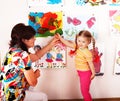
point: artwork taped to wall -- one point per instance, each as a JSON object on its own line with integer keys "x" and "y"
{"x": 98, "y": 3}
{"x": 114, "y": 3}
{"x": 98, "y": 59}
{"x": 80, "y": 3}
{"x": 46, "y": 24}
{"x": 117, "y": 60}
{"x": 55, "y": 58}
{"x": 44, "y": 3}
{"x": 91, "y": 2}
{"x": 73, "y": 23}
{"x": 0, "y": 75}
{"x": 0, "y": 61}
{"x": 114, "y": 16}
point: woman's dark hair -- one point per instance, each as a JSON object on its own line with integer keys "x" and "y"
{"x": 19, "y": 32}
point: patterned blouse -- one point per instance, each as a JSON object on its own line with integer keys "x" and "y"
{"x": 13, "y": 79}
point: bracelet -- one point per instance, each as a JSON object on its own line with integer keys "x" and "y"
{"x": 27, "y": 68}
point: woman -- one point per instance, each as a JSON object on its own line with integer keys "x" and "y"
{"x": 16, "y": 72}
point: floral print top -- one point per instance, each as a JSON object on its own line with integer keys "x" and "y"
{"x": 13, "y": 79}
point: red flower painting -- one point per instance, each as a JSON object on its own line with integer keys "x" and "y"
{"x": 46, "y": 24}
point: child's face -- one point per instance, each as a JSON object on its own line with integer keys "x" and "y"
{"x": 82, "y": 42}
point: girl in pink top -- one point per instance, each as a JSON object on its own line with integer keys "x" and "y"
{"x": 83, "y": 60}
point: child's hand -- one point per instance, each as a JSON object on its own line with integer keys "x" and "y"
{"x": 54, "y": 41}
{"x": 57, "y": 35}
{"x": 92, "y": 76}
{"x": 92, "y": 68}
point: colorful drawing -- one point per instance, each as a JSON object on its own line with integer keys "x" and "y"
{"x": 59, "y": 55}
{"x": 117, "y": 61}
{"x": 115, "y": 3}
{"x": 54, "y": 58}
{"x": 114, "y": 16}
{"x": 54, "y": 1}
{"x": 91, "y": 22}
{"x": 46, "y": 24}
{"x": 49, "y": 59}
{"x": 90, "y": 2}
{"x": 74, "y": 23}
{"x": 0, "y": 76}
{"x": 44, "y": 2}
{"x": 36, "y": 48}
{"x": 97, "y": 61}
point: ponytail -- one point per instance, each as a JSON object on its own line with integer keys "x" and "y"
{"x": 72, "y": 52}
{"x": 93, "y": 43}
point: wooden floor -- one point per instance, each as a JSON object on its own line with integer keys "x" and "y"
{"x": 105, "y": 99}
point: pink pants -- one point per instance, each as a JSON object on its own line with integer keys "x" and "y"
{"x": 85, "y": 81}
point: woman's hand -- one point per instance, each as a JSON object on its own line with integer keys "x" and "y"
{"x": 54, "y": 41}
{"x": 64, "y": 41}
{"x": 37, "y": 73}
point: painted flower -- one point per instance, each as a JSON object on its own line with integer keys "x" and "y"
{"x": 49, "y": 20}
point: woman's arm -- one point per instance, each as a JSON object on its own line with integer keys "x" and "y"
{"x": 31, "y": 76}
{"x": 42, "y": 51}
{"x": 66, "y": 42}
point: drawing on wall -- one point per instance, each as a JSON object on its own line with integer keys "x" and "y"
{"x": 46, "y": 24}
{"x": 44, "y": 2}
{"x": 0, "y": 61}
{"x": 90, "y": 2}
{"x": 98, "y": 59}
{"x": 0, "y": 76}
{"x": 54, "y": 58}
{"x": 36, "y": 48}
{"x": 114, "y": 16}
{"x": 74, "y": 23}
{"x": 114, "y": 3}
{"x": 117, "y": 61}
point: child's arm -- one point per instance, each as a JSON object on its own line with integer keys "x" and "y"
{"x": 66, "y": 42}
{"x": 92, "y": 69}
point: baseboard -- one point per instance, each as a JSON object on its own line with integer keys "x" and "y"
{"x": 97, "y": 99}
{"x": 67, "y": 100}
{"x": 107, "y": 99}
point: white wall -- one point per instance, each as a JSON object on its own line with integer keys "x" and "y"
{"x": 64, "y": 83}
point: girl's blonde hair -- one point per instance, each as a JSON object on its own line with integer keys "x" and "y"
{"x": 86, "y": 34}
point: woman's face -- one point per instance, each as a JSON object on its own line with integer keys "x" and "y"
{"x": 29, "y": 43}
